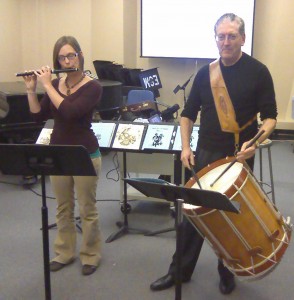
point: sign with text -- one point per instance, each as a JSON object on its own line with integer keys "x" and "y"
{"x": 150, "y": 79}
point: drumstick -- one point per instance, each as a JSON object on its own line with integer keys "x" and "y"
{"x": 196, "y": 177}
{"x": 232, "y": 163}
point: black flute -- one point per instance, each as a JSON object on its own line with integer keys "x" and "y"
{"x": 57, "y": 71}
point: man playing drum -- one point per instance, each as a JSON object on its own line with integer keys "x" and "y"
{"x": 228, "y": 93}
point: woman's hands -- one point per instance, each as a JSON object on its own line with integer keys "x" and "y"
{"x": 30, "y": 82}
{"x": 43, "y": 75}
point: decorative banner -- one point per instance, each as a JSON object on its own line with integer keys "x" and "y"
{"x": 104, "y": 133}
{"x": 44, "y": 137}
{"x": 193, "y": 140}
{"x": 128, "y": 136}
{"x": 158, "y": 136}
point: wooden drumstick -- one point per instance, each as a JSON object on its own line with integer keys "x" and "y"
{"x": 196, "y": 177}
{"x": 232, "y": 163}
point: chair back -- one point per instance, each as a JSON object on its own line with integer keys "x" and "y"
{"x": 138, "y": 96}
{"x": 140, "y": 104}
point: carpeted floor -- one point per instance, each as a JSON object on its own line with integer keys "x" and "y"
{"x": 132, "y": 261}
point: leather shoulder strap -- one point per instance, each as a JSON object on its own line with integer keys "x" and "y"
{"x": 223, "y": 103}
{"x": 224, "y": 107}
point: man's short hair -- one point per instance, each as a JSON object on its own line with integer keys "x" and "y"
{"x": 232, "y": 17}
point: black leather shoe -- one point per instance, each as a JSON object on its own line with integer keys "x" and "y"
{"x": 165, "y": 282}
{"x": 88, "y": 269}
{"x": 227, "y": 285}
{"x": 56, "y": 266}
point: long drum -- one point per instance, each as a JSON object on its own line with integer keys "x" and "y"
{"x": 250, "y": 243}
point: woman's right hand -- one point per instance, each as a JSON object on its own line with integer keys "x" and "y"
{"x": 30, "y": 82}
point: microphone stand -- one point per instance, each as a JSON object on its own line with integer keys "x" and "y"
{"x": 183, "y": 87}
{"x": 165, "y": 105}
{"x": 162, "y": 104}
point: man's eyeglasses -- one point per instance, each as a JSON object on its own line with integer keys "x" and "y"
{"x": 69, "y": 56}
{"x": 222, "y": 37}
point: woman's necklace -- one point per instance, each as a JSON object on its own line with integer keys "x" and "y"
{"x": 71, "y": 87}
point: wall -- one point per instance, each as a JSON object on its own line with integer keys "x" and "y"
{"x": 43, "y": 22}
{"x": 10, "y": 38}
{"x": 273, "y": 45}
{"x": 110, "y": 30}
{"x": 107, "y": 30}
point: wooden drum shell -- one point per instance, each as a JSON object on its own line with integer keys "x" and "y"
{"x": 250, "y": 243}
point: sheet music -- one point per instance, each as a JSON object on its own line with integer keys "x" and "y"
{"x": 104, "y": 133}
{"x": 128, "y": 136}
{"x": 158, "y": 136}
{"x": 44, "y": 137}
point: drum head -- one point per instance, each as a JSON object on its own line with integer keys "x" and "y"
{"x": 224, "y": 182}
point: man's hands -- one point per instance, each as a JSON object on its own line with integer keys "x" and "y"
{"x": 244, "y": 153}
{"x": 187, "y": 158}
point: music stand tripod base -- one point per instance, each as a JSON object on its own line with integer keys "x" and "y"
{"x": 33, "y": 160}
{"x": 179, "y": 195}
{"x": 124, "y": 226}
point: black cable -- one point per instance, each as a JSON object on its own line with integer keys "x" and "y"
{"x": 115, "y": 162}
{"x": 49, "y": 197}
{"x": 40, "y": 195}
{"x": 116, "y": 165}
{"x": 12, "y": 183}
{"x": 53, "y": 198}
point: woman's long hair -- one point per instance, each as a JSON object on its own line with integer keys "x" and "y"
{"x": 67, "y": 40}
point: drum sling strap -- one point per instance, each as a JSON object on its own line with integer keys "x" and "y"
{"x": 224, "y": 107}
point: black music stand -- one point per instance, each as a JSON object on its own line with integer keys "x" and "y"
{"x": 180, "y": 195}
{"x": 18, "y": 159}
{"x": 124, "y": 226}
{"x": 177, "y": 181}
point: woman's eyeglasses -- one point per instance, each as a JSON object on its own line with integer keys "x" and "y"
{"x": 69, "y": 56}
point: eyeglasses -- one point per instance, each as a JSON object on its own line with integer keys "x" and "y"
{"x": 69, "y": 56}
{"x": 222, "y": 37}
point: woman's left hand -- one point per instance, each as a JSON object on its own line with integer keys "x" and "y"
{"x": 44, "y": 76}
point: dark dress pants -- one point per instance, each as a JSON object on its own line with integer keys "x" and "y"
{"x": 191, "y": 240}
